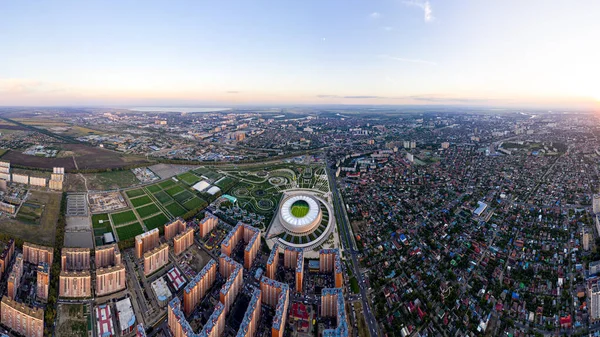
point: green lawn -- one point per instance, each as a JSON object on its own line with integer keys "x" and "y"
{"x": 300, "y": 209}
{"x": 153, "y": 188}
{"x": 156, "y": 221}
{"x": 195, "y": 203}
{"x": 162, "y": 197}
{"x": 135, "y": 193}
{"x": 175, "y": 209}
{"x": 226, "y": 183}
{"x": 96, "y": 220}
{"x": 129, "y": 231}
{"x": 174, "y": 190}
{"x": 167, "y": 183}
{"x": 123, "y": 217}
{"x": 189, "y": 178}
{"x": 183, "y": 196}
{"x": 147, "y": 210}
{"x": 137, "y": 202}
{"x": 354, "y": 285}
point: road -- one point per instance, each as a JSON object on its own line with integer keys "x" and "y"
{"x": 349, "y": 250}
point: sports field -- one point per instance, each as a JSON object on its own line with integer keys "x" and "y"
{"x": 300, "y": 208}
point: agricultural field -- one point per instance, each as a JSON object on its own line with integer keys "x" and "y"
{"x": 32, "y": 225}
{"x": 111, "y": 180}
{"x": 86, "y": 157}
{"x": 30, "y": 213}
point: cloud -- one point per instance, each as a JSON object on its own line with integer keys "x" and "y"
{"x": 375, "y": 15}
{"x": 402, "y": 59}
{"x": 352, "y": 97}
{"x": 424, "y": 5}
{"x": 446, "y": 99}
{"x": 388, "y": 28}
{"x": 233, "y": 92}
{"x": 22, "y": 86}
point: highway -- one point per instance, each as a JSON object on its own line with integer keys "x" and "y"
{"x": 347, "y": 242}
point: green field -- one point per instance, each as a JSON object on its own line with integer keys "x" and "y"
{"x": 123, "y": 217}
{"x": 96, "y": 220}
{"x": 300, "y": 209}
{"x": 174, "y": 190}
{"x": 225, "y": 184}
{"x": 156, "y": 221}
{"x": 153, "y": 188}
{"x": 100, "y": 228}
{"x": 129, "y": 231}
{"x": 135, "y": 193}
{"x": 166, "y": 184}
{"x": 147, "y": 210}
{"x": 189, "y": 178}
{"x": 194, "y": 203}
{"x": 140, "y": 201}
{"x": 162, "y": 197}
{"x": 175, "y": 209}
{"x": 354, "y": 285}
{"x": 183, "y": 196}
{"x": 111, "y": 180}
{"x": 207, "y": 173}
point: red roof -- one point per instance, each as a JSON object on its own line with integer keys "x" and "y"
{"x": 299, "y": 311}
{"x": 565, "y": 320}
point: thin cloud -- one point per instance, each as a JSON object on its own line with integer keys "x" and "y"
{"x": 423, "y": 5}
{"x": 403, "y": 59}
{"x": 375, "y": 15}
{"x": 352, "y": 97}
{"x": 445, "y": 99}
{"x": 388, "y": 28}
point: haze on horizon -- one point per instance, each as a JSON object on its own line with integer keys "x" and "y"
{"x": 226, "y": 53}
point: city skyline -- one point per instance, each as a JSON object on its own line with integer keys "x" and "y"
{"x": 388, "y": 52}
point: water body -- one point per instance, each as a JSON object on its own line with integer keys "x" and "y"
{"x": 176, "y": 109}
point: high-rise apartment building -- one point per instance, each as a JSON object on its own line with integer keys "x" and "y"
{"x": 173, "y": 228}
{"x": 75, "y": 284}
{"x": 156, "y": 259}
{"x": 329, "y": 261}
{"x": 277, "y": 295}
{"x": 332, "y": 305}
{"x": 198, "y": 286}
{"x": 251, "y": 237}
{"x": 14, "y": 278}
{"x": 107, "y": 255}
{"x": 233, "y": 273}
{"x": 75, "y": 259}
{"x": 207, "y": 224}
{"x": 35, "y": 254}
{"x": 43, "y": 281}
{"x": 273, "y": 261}
{"x": 183, "y": 241}
{"x": 110, "y": 280}
{"x": 146, "y": 242}
{"x": 22, "y": 319}
{"x": 251, "y": 319}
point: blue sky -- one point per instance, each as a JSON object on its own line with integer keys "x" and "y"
{"x": 510, "y": 53}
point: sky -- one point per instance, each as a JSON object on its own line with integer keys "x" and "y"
{"x": 530, "y": 53}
